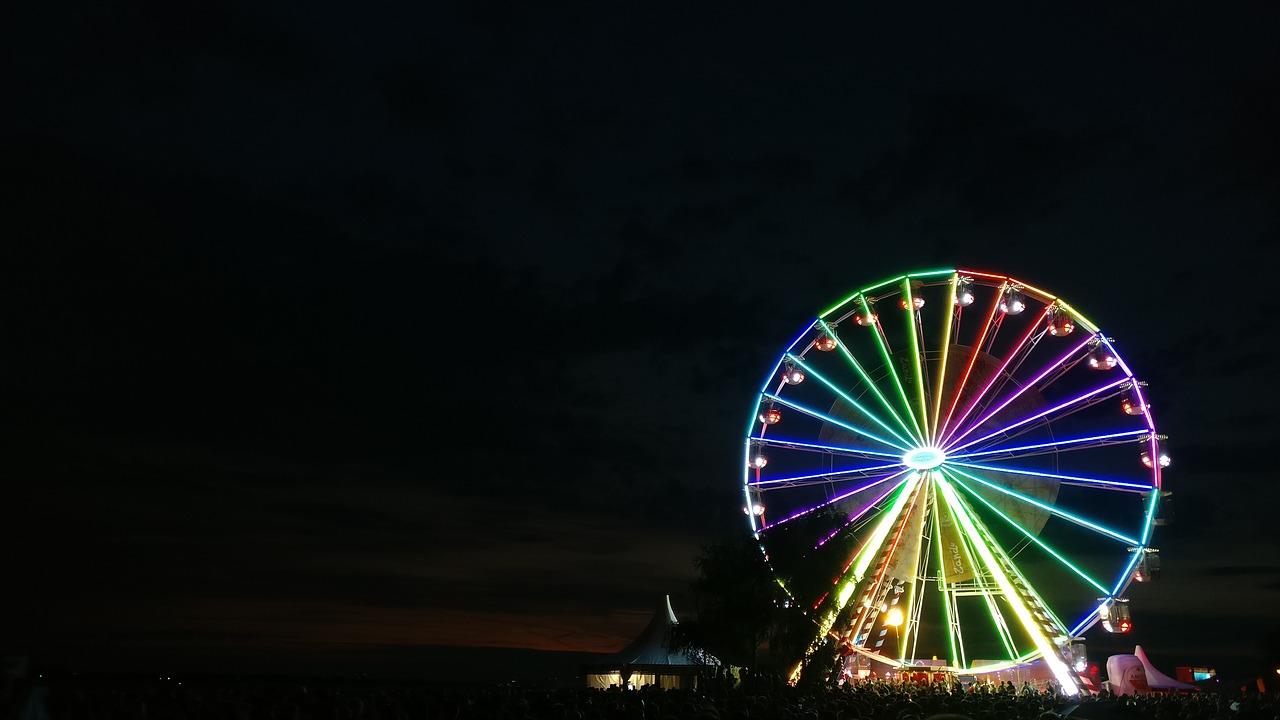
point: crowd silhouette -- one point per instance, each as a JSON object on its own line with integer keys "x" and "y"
{"x": 716, "y": 698}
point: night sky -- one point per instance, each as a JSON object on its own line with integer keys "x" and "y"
{"x": 332, "y": 333}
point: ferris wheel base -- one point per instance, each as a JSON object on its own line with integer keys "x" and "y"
{"x": 865, "y": 664}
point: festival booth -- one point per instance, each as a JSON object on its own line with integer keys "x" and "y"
{"x": 647, "y": 661}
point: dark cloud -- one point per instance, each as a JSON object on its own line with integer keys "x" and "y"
{"x": 978, "y": 159}
{"x": 310, "y": 319}
{"x": 1242, "y": 570}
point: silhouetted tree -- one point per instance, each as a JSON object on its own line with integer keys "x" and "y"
{"x": 754, "y": 611}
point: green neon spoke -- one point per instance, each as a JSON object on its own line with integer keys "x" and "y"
{"x": 1052, "y": 510}
{"x": 1029, "y": 535}
{"x": 971, "y": 540}
{"x": 1042, "y": 643}
{"x": 866, "y": 378}
{"x": 956, "y": 659}
{"x": 810, "y": 370}
{"x": 863, "y": 292}
{"x": 862, "y": 558}
{"x": 915, "y": 360}
{"x": 877, "y": 539}
{"x": 998, "y": 619}
{"x": 1013, "y": 568}
{"x": 897, "y": 381}
{"x": 1002, "y": 627}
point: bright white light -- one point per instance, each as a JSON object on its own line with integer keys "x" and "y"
{"x": 925, "y": 458}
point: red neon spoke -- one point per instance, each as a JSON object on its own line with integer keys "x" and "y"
{"x": 1017, "y": 349}
{"x": 1032, "y": 384}
{"x": 973, "y": 358}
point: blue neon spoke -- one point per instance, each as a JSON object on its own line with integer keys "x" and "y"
{"x": 817, "y": 447}
{"x": 1127, "y": 573}
{"x": 1084, "y": 443}
{"x": 810, "y": 370}
{"x": 1085, "y": 623}
{"x": 1065, "y": 479}
{"x": 832, "y": 501}
{"x": 827, "y": 418}
{"x": 1032, "y": 418}
{"x": 1048, "y": 508}
{"x": 772, "y": 378}
{"x": 823, "y": 477}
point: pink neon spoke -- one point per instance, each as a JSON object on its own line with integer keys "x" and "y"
{"x": 1029, "y": 385}
{"x": 859, "y": 514}
{"x": 973, "y": 357}
{"x": 1041, "y": 414}
{"x": 1054, "y": 446}
{"x": 1037, "y": 325}
{"x": 834, "y": 500}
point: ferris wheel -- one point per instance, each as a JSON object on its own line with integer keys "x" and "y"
{"x": 963, "y": 459}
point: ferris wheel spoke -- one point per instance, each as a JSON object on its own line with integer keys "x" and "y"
{"x": 917, "y": 356}
{"x": 1025, "y": 343}
{"x": 949, "y": 614}
{"x": 1076, "y": 480}
{"x": 942, "y": 365}
{"x": 879, "y": 544}
{"x": 941, "y": 462}
{"x": 974, "y": 352}
{"x": 840, "y": 498}
{"x": 993, "y": 442}
{"x": 1033, "y": 384}
{"x": 861, "y": 513}
{"x": 1052, "y": 510}
{"x": 886, "y": 353}
{"x": 822, "y": 478}
{"x": 841, "y": 450}
{"x": 1032, "y": 537}
{"x": 809, "y": 369}
{"x": 834, "y": 421}
{"x": 1055, "y": 446}
{"x": 1052, "y": 412}
{"x": 1003, "y": 572}
{"x": 875, "y": 389}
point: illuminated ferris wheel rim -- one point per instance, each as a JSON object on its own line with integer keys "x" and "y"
{"x": 918, "y": 438}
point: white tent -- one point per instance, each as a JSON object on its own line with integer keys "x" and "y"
{"x": 648, "y": 661}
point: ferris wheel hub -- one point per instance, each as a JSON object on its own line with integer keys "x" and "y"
{"x": 924, "y": 458}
